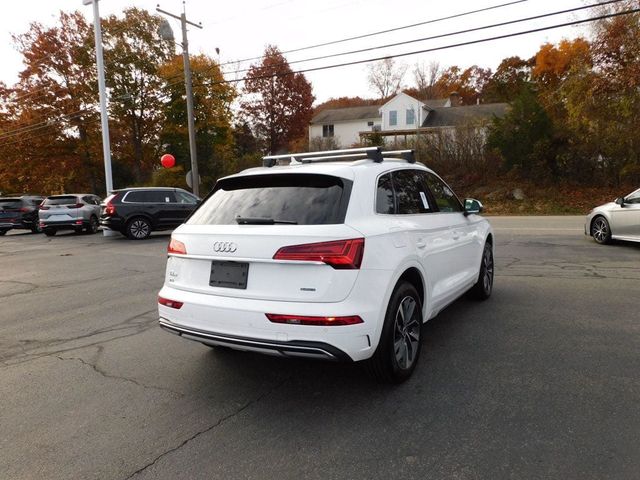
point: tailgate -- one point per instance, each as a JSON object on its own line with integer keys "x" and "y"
{"x": 244, "y": 254}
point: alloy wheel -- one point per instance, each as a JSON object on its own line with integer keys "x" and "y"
{"x": 600, "y": 230}
{"x": 139, "y": 229}
{"x": 487, "y": 263}
{"x": 406, "y": 332}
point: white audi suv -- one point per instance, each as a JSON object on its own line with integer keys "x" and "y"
{"x": 338, "y": 255}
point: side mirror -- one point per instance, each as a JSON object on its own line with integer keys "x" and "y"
{"x": 472, "y": 206}
{"x": 620, "y": 201}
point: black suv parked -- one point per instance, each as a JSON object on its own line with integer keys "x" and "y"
{"x": 19, "y": 211}
{"x": 136, "y": 212}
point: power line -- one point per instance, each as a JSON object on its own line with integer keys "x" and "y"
{"x": 444, "y": 47}
{"x": 443, "y": 35}
{"x": 380, "y": 32}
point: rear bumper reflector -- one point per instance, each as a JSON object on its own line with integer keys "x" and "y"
{"x": 318, "y": 321}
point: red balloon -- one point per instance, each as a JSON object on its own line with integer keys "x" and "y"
{"x": 167, "y": 160}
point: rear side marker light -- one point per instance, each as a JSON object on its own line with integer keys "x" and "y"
{"x": 317, "y": 321}
{"x": 177, "y": 247}
{"x": 170, "y": 303}
{"x": 340, "y": 254}
{"x": 78, "y": 222}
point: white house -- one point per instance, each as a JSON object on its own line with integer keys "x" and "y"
{"x": 342, "y": 126}
{"x": 401, "y": 117}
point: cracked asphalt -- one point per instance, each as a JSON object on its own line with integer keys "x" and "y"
{"x": 541, "y": 381}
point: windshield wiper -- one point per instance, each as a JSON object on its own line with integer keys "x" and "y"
{"x": 261, "y": 221}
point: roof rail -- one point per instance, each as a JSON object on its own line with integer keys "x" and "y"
{"x": 372, "y": 153}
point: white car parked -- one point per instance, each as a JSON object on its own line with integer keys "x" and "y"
{"x": 617, "y": 220}
{"x": 339, "y": 255}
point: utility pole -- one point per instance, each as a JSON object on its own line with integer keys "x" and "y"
{"x": 106, "y": 144}
{"x": 195, "y": 177}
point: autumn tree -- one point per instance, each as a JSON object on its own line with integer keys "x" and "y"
{"x": 277, "y": 102}
{"x": 54, "y": 141}
{"x": 385, "y": 77}
{"x": 134, "y": 52}
{"x": 212, "y": 99}
{"x": 468, "y": 83}
{"x": 616, "y": 94}
{"x": 512, "y": 75}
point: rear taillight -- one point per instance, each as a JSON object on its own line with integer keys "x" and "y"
{"x": 176, "y": 246}
{"x": 76, "y": 205}
{"x": 340, "y": 254}
{"x": 109, "y": 208}
{"x": 25, "y": 209}
{"x": 170, "y": 303}
{"x": 318, "y": 321}
{"x": 43, "y": 207}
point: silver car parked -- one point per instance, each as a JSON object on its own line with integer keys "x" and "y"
{"x": 78, "y": 211}
{"x": 617, "y": 220}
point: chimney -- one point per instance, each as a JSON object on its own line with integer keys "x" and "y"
{"x": 454, "y": 99}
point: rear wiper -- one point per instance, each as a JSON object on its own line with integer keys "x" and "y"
{"x": 261, "y": 221}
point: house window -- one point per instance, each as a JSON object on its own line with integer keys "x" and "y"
{"x": 411, "y": 117}
{"x": 327, "y": 131}
{"x": 393, "y": 118}
{"x": 369, "y": 124}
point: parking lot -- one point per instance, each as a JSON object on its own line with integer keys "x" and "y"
{"x": 540, "y": 381}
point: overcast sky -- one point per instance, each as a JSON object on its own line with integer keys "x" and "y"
{"x": 242, "y": 28}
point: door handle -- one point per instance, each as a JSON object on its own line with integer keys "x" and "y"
{"x": 456, "y": 235}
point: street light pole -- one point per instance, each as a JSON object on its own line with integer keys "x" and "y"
{"x": 106, "y": 144}
{"x": 195, "y": 177}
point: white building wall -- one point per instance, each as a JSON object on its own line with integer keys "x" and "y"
{"x": 401, "y": 103}
{"x": 346, "y": 133}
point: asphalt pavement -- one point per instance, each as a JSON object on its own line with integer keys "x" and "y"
{"x": 540, "y": 381}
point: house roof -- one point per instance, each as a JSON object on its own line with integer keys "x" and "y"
{"x": 346, "y": 114}
{"x": 454, "y": 116}
{"x": 435, "y": 103}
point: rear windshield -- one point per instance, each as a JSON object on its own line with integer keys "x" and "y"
{"x": 61, "y": 200}
{"x": 10, "y": 203}
{"x": 303, "y": 199}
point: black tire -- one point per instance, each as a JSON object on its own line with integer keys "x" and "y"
{"x": 36, "y": 228}
{"x": 2, "y": 232}
{"x": 484, "y": 286}
{"x": 600, "y": 230}
{"x": 400, "y": 342}
{"x": 49, "y": 232}
{"x": 138, "y": 228}
{"x": 93, "y": 226}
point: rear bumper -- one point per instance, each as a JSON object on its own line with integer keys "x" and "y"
{"x": 229, "y": 320}
{"x": 306, "y": 349}
{"x": 64, "y": 224}
{"x": 112, "y": 223}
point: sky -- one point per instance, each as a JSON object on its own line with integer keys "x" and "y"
{"x": 242, "y": 29}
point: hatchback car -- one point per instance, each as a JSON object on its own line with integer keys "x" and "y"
{"x": 20, "y": 211}
{"x": 617, "y": 220}
{"x": 327, "y": 259}
{"x": 136, "y": 212}
{"x": 78, "y": 211}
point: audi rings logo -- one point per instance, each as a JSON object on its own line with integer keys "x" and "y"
{"x": 226, "y": 247}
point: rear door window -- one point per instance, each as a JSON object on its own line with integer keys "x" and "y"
{"x": 61, "y": 200}
{"x": 303, "y": 199}
{"x": 10, "y": 203}
{"x": 411, "y": 192}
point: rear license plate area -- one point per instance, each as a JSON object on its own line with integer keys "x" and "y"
{"x": 229, "y": 274}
